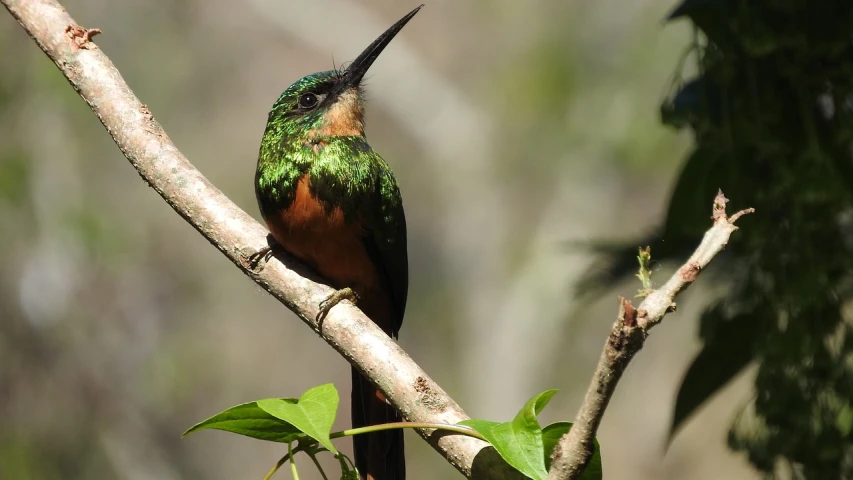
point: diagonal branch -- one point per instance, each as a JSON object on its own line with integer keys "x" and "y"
{"x": 627, "y": 337}
{"x": 237, "y": 235}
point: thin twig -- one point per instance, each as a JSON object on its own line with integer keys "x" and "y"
{"x": 313, "y": 457}
{"x": 627, "y": 338}
{"x": 238, "y": 236}
{"x": 460, "y": 429}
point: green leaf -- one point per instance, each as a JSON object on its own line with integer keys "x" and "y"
{"x": 519, "y": 442}
{"x": 552, "y": 434}
{"x": 313, "y": 413}
{"x": 250, "y": 420}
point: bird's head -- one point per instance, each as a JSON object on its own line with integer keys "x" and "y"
{"x": 329, "y": 104}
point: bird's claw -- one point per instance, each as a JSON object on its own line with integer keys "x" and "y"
{"x": 264, "y": 254}
{"x": 334, "y": 299}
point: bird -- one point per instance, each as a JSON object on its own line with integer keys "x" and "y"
{"x": 332, "y": 202}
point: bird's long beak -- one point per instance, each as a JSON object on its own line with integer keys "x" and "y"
{"x": 355, "y": 72}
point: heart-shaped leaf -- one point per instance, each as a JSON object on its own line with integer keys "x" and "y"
{"x": 313, "y": 413}
{"x": 250, "y": 420}
{"x": 519, "y": 442}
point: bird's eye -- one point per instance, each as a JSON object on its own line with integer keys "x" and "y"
{"x": 308, "y": 101}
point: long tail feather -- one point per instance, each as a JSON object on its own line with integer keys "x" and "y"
{"x": 379, "y": 455}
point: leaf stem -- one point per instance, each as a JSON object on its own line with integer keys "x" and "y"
{"x": 283, "y": 459}
{"x": 317, "y": 464}
{"x": 275, "y": 467}
{"x": 461, "y": 429}
{"x": 292, "y": 461}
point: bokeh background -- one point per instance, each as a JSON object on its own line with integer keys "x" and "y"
{"x": 516, "y": 129}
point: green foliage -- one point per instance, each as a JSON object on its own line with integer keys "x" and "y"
{"x": 522, "y": 443}
{"x": 313, "y": 414}
{"x": 281, "y": 419}
{"x": 519, "y": 442}
{"x": 286, "y": 420}
{"x": 551, "y": 435}
{"x": 771, "y": 113}
{"x": 526, "y": 446}
{"x": 252, "y": 421}
{"x": 773, "y": 128}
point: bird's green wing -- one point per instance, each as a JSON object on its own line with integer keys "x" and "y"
{"x": 386, "y": 241}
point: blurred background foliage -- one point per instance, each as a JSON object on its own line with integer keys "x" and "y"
{"x": 771, "y": 111}
{"x": 516, "y": 129}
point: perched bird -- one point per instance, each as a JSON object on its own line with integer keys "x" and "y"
{"x": 332, "y": 202}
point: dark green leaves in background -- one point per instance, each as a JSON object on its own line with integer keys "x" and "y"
{"x": 770, "y": 110}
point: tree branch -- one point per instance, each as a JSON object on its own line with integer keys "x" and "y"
{"x": 627, "y": 337}
{"x": 237, "y": 235}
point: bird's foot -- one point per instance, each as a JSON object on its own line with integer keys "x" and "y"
{"x": 332, "y": 300}
{"x": 264, "y": 254}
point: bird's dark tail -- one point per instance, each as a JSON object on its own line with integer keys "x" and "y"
{"x": 379, "y": 455}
